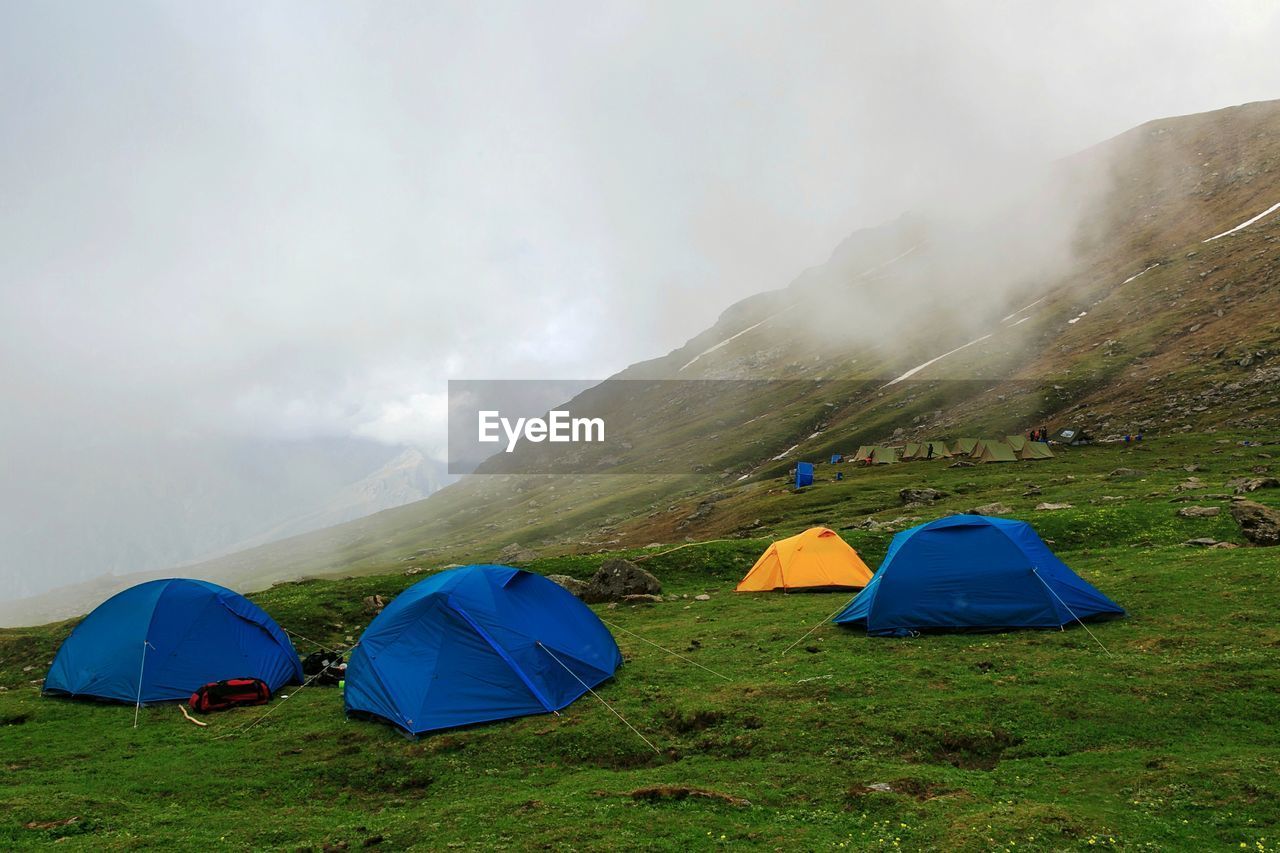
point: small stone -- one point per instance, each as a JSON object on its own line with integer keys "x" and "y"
{"x": 1052, "y": 506}
{"x": 702, "y": 597}
{"x": 1199, "y": 511}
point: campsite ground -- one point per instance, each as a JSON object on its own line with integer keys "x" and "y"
{"x": 1026, "y": 740}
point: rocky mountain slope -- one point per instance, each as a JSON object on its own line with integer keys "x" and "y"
{"x": 1134, "y": 286}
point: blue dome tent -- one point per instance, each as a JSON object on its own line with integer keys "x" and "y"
{"x": 476, "y": 644}
{"x": 972, "y": 572}
{"x": 159, "y": 641}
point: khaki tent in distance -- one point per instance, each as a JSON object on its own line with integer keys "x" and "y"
{"x": 963, "y": 446}
{"x": 1017, "y": 442}
{"x": 879, "y": 455}
{"x": 920, "y": 451}
{"x": 884, "y": 456}
{"x": 1035, "y": 450}
{"x": 813, "y": 560}
{"x": 996, "y": 451}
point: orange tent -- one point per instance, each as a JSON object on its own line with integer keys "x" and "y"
{"x": 815, "y": 559}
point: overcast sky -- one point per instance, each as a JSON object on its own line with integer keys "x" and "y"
{"x": 299, "y": 218}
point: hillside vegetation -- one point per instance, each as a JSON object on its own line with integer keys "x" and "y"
{"x": 1159, "y": 735}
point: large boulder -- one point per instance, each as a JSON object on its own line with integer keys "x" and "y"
{"x": 1244, "y": 485}
{"x": 919, "y": 496}
{"x": 1259, "y": 524}
{"x": 1199, "y": 511}
{"x": 616, "y": 579}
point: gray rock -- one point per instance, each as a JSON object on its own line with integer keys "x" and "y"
{"x": 1245, "y": 485}
{"x": 1052, "y": 506}
{"x": 570, "y": 583}
{"x": 702, "y": 597}
{"x": 642, "y": 599}
{"x": 373, "y": 604}
{"x": 919, "y": 496}
{"x": 1259, "y": 524}
{"x": 1201, "y": 542}
{"x": 991, "y": 509}
{"x": 618, "y": 578}
{"x": 516, "y": 553}
{"x": 1124, "y": 474}
{"x": 1199, "y": 511}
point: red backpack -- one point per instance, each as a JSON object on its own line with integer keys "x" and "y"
{"x": 232, "y": 693}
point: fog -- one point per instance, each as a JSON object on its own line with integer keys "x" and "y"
{"x": 249, "y": 225}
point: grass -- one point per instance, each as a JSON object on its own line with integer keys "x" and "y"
{"x": 1023, "y": 740}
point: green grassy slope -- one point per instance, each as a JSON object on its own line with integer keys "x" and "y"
{"x": 1025, "y": 740}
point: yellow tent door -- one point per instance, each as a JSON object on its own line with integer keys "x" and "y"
{"x": 815, "y": 559}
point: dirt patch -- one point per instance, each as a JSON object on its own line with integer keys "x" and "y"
{"x": 682, "y": 722}
{"x": 676, "y": 793}
{"x": 966, "y": 750}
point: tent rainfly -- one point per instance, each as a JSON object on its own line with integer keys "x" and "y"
{"x": 973, "y": 572}
{"x": 161, "y": 640}
{"x": 476, "y": 644}
{"x": 815, "y": 559}
{"x": 963, "y": 446}
{"x": 1015, "y": 441}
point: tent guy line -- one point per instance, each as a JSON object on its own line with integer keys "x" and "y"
{"x": 597, "y": 695}
{"x": 668, "y": 651}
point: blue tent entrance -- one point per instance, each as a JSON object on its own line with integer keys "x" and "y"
{"x": 972, "y": 572}
{"x": 160, "y": 640}
{"x": 476, "y": 644}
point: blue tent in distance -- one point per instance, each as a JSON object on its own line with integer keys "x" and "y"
{"x": 160, "y": 640}
{"x": 477, "y": 644}
{"x": 804, "y": 474}
{"x": 972, "y": 572}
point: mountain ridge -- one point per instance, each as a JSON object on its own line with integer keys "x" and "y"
{"x": 1103, "y": 296}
